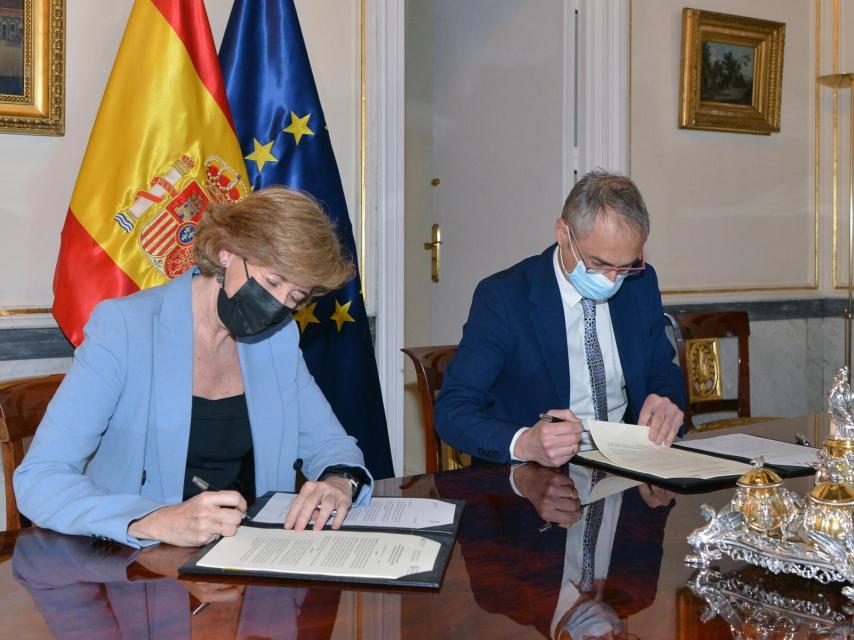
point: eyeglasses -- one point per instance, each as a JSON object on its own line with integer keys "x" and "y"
{"x": 636, "y": 267}
{"x": 296, "y": 299}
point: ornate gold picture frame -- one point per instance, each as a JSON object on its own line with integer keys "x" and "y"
{"x": 32, "y": 67}
{"x": 732, "y": 73}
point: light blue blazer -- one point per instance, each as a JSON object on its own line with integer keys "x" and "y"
{"x": 112, "y": 446}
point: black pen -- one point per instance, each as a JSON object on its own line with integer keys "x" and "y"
{"x": 545, "y": 417}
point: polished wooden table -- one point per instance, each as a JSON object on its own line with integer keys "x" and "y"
{"x": 506, "y": 577}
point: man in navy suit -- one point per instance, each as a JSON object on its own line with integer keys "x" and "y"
{"x": 526, "y": 344}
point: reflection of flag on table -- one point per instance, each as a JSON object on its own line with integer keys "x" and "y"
{"x": 161, "y": 149}
{"x": 283, "y": 133}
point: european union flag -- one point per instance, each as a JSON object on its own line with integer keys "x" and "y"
{"x": 283, "y": 134}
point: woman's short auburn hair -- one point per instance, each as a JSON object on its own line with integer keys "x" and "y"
{"x": 278, "y": 228}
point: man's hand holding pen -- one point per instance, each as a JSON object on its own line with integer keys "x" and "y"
{"x": 552, "y": 441}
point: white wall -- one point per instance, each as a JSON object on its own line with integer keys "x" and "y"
{"x": 37, "y": 174}
{"x": 728, "y": 210}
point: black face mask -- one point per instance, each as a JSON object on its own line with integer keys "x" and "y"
{"x": 251, "y": 309}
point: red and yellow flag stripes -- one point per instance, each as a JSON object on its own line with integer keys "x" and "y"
{"x": 162, "y": 148}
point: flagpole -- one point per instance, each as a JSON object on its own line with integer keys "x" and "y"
{"x": 846, "y": 81}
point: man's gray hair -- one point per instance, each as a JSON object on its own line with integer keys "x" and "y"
{"x": 601, "y": 193}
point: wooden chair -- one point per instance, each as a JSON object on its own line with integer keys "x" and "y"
{"x": 430, "y": 364}
{"x": 698, "y": 338}
{"x": 670, "y": 321}
{"x": 22, "y": 406}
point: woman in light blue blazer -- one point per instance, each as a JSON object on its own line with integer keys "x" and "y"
{"x": 201, "y": 377}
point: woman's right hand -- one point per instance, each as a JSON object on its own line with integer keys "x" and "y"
{"x": 194, "y": 522}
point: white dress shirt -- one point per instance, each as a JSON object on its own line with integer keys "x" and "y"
{"x": 580, "y": 392}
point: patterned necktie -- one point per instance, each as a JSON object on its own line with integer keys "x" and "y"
{"x": 596, "y": 365}
{"x": 592, "y": 523}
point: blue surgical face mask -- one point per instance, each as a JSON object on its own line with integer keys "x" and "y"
{"x": 593, "y": 285}
{"x": 590, "y": 285}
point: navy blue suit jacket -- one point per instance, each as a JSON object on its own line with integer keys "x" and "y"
{"x": 512, "y": 361}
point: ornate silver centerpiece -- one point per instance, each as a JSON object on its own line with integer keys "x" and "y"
{"x": 836, "y": 459}
{"x": 754, "y": 609}
{"x": 767, "y": 525}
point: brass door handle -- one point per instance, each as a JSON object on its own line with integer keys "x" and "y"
{"x": 435, "y": 252}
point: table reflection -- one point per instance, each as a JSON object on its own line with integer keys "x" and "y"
{"x": 756, "y": 604}
{"x": 86, "y": 588}
{"x": 577, "y": 579}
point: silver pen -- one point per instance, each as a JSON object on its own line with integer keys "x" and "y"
{"x": 801, "y": 439}
{"x": 204, "y": 485}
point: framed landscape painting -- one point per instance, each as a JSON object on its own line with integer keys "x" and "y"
{"x": 32, "y": 66}
{"x": 731, "y": 73}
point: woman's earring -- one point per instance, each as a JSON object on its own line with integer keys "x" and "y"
{"x": 220, "y": 277}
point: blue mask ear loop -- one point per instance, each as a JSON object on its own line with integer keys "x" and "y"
{"x": 560, "y": 260}
{"x": 569, "y": 236}
{"x": 560, "y": 253}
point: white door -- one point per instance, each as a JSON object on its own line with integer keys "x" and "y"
{"x": 490, "y": 137}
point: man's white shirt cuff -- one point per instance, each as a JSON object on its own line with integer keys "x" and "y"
{"x": 513, "y": 444}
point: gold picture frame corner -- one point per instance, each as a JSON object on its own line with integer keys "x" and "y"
{"x": 38, "y": 108}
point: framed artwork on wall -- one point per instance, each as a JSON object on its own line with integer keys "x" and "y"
{"x": 731, "y": 75}
{"x": 32, "y": 67}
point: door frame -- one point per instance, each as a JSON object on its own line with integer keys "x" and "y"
{"x": 603, "y": 141}
{"x": 384, "y": 203}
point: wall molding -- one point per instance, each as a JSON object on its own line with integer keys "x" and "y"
{"x": 36, "y": 343}
{"x": 385, "y": 201}
{"x": 603, "y": 101}
{"x": 571, "y": 31}
{"x": 759, "y": 310}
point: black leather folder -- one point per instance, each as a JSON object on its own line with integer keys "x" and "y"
{"x": 444, "y": 535}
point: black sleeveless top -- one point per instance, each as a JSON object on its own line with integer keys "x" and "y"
{"x": 220, "y": 448}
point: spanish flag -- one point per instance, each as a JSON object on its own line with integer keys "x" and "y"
{"x": 162, "y": 148}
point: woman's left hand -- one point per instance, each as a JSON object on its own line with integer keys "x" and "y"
{"x": 317, "y": 500}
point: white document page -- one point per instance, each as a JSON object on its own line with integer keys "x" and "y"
{"x": 746, "y": 446}
{"x": 609, "y": 485}
{"x": 628, "y": 446}
{"x": 382, "y": 513}
{"x": 355, "y": 554}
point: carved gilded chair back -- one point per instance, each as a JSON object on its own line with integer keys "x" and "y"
{"x": 698, "y": 338}
{"x": 704, "y": 367}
